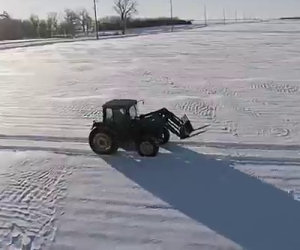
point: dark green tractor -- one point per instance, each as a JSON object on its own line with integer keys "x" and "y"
{"x": 122, "y": 127}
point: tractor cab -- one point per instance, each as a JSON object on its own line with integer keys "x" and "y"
{"x": 121, "y": 115}
{"x": 120, "y": 111}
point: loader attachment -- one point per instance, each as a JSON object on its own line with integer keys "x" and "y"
{"x": 181, "y": 127}
{"x": 187, "y": 131}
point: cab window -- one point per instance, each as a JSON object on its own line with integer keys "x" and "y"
{"x": 109, "y": 114}
{"x": 133, "y": 112}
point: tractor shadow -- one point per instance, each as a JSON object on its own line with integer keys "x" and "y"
{"x": 242, "y": 208}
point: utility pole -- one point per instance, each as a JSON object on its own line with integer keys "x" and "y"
{"x": 224, "y": 16}
{"x": 205, "y": 15}
{"x": 236, "y": 16}
{"x": 96, "y": 20}
{"x": 171, "y": 9}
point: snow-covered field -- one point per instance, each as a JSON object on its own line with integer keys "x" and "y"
{"x": 235, "y": 187}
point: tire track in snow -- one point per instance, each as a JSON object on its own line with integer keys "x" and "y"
{"x": 55, "y": 150}
{"x": 85, "y": 110}
{"x": 195, "y": 106}
{"x": 43, "y": 138}
{"x": 29, "y": 205}
{"x": 198, "y": 107}
{"x": 282, "y": 88}
{"x": 228, "y": 145}
{"x": 281, "y": 126}
{"x": 278, "y": 132}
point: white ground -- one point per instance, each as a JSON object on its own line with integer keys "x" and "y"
{"x": 235, "y": 187}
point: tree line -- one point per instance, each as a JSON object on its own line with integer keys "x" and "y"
{"x": 73, "y": 23}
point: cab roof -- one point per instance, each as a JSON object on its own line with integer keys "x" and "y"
{"x": 120, "y": 103}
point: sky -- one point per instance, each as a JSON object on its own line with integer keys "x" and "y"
{"x": 188, "y": 9}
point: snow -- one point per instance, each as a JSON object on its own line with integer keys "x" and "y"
{"x": 234, "y": 187}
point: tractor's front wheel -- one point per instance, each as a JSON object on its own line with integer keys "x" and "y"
{"x": 148, "y": 147}
{"x": 102, "y": 142}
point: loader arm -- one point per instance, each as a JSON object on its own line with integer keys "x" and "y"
{"x": 180, "y": 127}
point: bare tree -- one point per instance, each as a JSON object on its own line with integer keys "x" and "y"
{"x": 125, "y": 8}
{"x": 43, "y": 31}
{"x": 52, "y": 24}
{"x": 35, "y": 21}
{"x": 72, "y": 22}
{"x": 85, "y": 21}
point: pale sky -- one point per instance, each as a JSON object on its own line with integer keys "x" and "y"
{"x": 190, "y": 9}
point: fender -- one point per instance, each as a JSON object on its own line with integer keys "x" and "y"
{"x": 97, "y": 125}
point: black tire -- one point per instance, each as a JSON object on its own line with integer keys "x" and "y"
{"x": 148, "y": 147}
{"x": 102, "y": 142}
{"x": 165, "y": 137}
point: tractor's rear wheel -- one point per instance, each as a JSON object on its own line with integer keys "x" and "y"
{"x": 102, "y": 142}
{"x": 148, "y": 147}
{"x": 165, "y": 137}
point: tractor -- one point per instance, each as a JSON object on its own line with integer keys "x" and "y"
{"x": 122, "y": 126}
